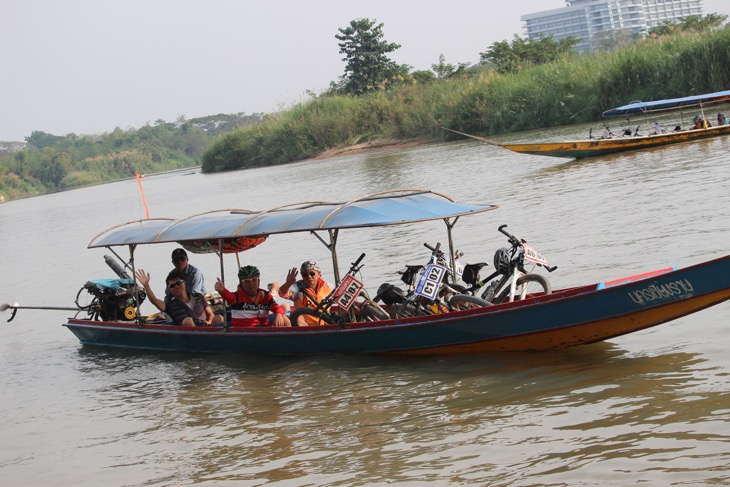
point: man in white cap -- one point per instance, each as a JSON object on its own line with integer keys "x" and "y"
{"x": 308, "y": 291}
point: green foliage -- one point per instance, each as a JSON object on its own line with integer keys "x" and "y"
{"x": 571, "y": 89}
{"x": 51, "y": 163}
{"x": 693, "y": 23}
{"x": 365, "y": 50}
{"x": 543, "y": 88}
{"x": 445, "y": 70}
{"x": 508, "y": 58}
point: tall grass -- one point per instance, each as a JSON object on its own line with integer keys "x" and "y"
{"x": 570, "y": 90}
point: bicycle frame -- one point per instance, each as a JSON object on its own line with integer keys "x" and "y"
{"x": 519, "y": 252}
{"x": 432, "y": 284}
{"x": 344, "y": 295}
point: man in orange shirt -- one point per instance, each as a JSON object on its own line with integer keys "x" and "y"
{"x": 308, "y": 291}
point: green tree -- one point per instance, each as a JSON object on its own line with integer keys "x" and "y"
{"x": 446, "y": 70}
{"x": 423, "y": 76}
{"x": 693, "y": 23}
{"x": 508, "y": 58}
{"x": 365, "y": 50}
{"x": 42, "y": 139}
{"x": 53, "y": 168}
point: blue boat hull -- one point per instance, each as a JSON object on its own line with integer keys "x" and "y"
{"x": 566, "y": 318}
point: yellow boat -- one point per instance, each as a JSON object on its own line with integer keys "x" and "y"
{"x": 599, "y": 147}
{"x": 612, "y": 144}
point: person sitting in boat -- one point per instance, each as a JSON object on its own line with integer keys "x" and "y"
{"x": 677, "y": 128}
{"x": 250, "y": 306}
{"x": 184, "y": 308}
{"x": 721, "y": 120}
{"x": 308, "y": 291}
{"x": 192, "y": 276}
{"x": 273, "y": 288}
{"x": 658, "y": 129}
{"x": 700, "y": 122}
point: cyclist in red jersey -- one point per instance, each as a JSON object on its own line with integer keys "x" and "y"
{"x": 250, "y": 305}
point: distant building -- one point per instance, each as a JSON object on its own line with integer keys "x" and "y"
{"x": 600, "y": 24}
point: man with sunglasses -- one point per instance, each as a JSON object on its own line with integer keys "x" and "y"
{"x": 250, "y": 305}
{"x": 193, "y": 277}
{"x": 185, "y": 309}
{"x": 308, "y": 291}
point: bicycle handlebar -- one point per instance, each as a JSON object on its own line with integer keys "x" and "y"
{"x": 517, "y": 241}
{"x": 505, "y": 232}
{"x": 357, "y": 262}
{"x": 512, "y": 239}
{"x": 433, "y": 249}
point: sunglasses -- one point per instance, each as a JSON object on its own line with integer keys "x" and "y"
{"x": 175, "y": 284}
{"x": 179, "y": 259}
{"x": 309, "y": 274}
{"x": 247, "y": 281}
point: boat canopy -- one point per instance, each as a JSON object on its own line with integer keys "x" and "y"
{"x": 669, "y": 104}
{"x": 242, "y": 229}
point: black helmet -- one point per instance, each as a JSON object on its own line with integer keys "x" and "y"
{"x": 248, "y": 272}
{"x": 502, "y": 260}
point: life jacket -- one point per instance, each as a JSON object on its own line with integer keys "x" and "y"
{"x": 179, "y": 310}
{"x": 306, "y": 296}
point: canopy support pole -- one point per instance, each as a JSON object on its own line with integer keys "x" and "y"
{"x": 126, "y": 265}
{"x": 134, "y": 278}
{"x": 223, "y": 280}
{"x": 333, "y": 250}
{"x": 452, "y": 263}
{"x": 332, "y": 247}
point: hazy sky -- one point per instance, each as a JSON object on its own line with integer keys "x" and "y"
{"x": 88, "y": 66}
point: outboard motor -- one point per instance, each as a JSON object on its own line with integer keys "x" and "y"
{"x": 113, "y": 299}
{"x": 118, "y": 270}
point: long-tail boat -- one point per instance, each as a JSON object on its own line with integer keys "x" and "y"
{"x": 566, "y": 317}
{"x": 628, "y": 140}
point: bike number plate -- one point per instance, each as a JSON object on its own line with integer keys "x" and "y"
{"x": 534, "y": 256}
{"x": 459, "y": 269}
{"x": 429, "y": 281}
{"x": 346, "y": 293}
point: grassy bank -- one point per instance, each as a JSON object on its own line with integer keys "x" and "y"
{"x": 572, "y": 90}
{"x": 48, "y": 163}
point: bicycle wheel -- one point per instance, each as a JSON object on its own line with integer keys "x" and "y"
{"x": 370, "y": 311}
{"x": 459, "y": 302}
{"x": 320, "y": 317}
{"x": 527, "y": 284}
{"x": 405, "y": 310}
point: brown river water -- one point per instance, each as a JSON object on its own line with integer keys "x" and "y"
{"x": 652, "y": 407}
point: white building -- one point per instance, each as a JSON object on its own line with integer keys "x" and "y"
{"x": 602, "y": 23}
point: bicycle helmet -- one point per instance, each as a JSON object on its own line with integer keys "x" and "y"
{"x": 502, "y": 260}
{"x": 248, "y": 272}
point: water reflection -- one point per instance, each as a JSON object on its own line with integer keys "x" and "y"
{"x": 649, "y": 408}
{"x": 231, "y": 418}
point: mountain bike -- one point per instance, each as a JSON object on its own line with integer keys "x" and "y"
{"x": 339, "y": 307}
{"x": 428, "y": 292}
{"x": 510, "y": 281}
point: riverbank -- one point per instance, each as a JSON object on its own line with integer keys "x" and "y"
{"x": 371, "y": 146}
{"x": 574, "y": 89}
